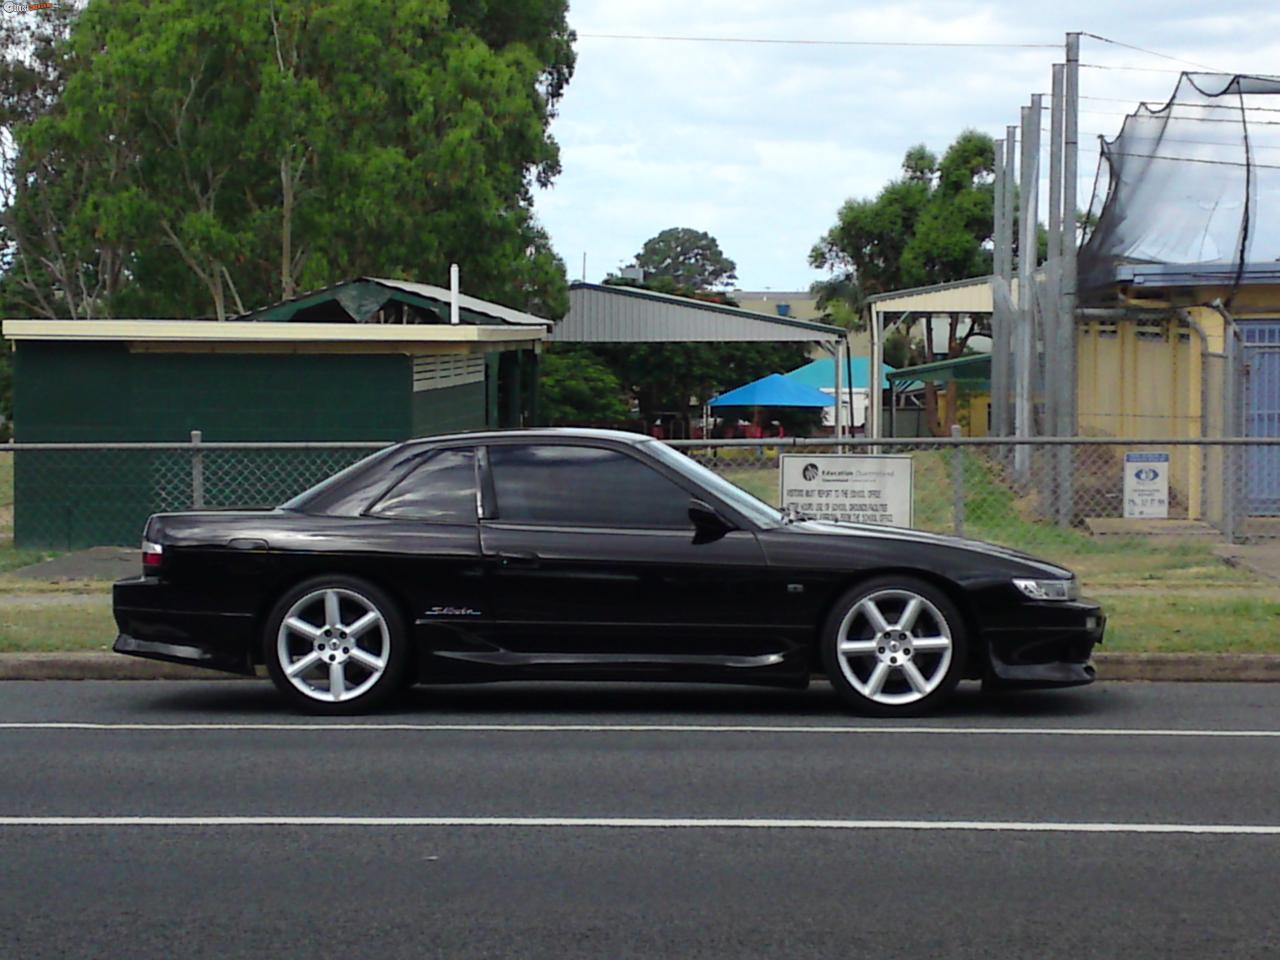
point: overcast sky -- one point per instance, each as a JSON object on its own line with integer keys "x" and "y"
{"x": 760, "y": 144}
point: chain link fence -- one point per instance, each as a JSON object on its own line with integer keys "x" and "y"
{"x": 1054, "y": 499}
{"x": 67, "y": 496}
{"x": 1056, "y": 496}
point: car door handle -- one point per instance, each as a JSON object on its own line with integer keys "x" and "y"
{"x": 517, "y": 559}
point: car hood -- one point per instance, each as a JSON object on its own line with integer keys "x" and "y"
{"x": 884, "y": 533}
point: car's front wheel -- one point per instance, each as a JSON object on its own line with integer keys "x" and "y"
{"x": 894, "y": 646}
{"x": 336, "y": 645}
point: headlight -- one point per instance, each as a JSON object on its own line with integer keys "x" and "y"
{"x": 1049, "y": 589}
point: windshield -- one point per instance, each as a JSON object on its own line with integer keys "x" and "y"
{"x": 752, "y": 507}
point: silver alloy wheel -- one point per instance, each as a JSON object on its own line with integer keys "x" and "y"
{"x": 351, "y": 635}
{"x": 896, "y": 662}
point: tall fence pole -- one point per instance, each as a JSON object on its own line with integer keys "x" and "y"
{"x": 999, "y": 252}
{"x": 957, "y": 482}
{"x": 1053, "y": 316}
{"x": 1055, "y": 387}
{"x": 1067, "y": 404}
{"x": 999, "y": 322}
{"x": 1070, "y": 280}
{"x": 1005, "y": 354}
{"x": 1025, "y": 354}
{"x": 197, "y": 471}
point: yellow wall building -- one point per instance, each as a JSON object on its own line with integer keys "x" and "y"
{"x": 1155, "y": 360}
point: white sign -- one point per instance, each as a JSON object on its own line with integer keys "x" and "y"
{"x": 855, "y": 489}
{"x": 1146, "y": 485}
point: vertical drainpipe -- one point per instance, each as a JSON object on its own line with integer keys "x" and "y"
{"x": 1192, "y": 324}
{"x": 875, "y": 403}
{"x": 453, "y": 294}
{"x": 839, "y": 363}
{"x": 1233, "y": 401}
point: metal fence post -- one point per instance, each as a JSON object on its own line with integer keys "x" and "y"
{"x": 957, "y": 482}
{"x": 197, "y": 471}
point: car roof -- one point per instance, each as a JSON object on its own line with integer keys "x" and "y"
{"x": 534, "y": 433}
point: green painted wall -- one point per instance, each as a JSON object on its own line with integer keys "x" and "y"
{"x": 449, "y": 410}
{"x": 100, "y": 392}
{"x": 70, "y": 392}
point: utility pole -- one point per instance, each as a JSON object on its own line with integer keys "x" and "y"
{"x": 1024, "y": 352}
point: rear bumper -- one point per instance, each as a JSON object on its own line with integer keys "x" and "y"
{"x": 156, "y": 622}
{"x": 1052, "y": 650}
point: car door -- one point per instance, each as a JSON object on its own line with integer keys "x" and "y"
{"x": 591, "y": 553}
{"x": 425, "y": 528}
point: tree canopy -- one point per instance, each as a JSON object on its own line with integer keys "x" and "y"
{"x": 688, "y": 258}
{"x": 577, "y": 388}
{"x": 177, "y": 157}
{"x": 931, "y": 225}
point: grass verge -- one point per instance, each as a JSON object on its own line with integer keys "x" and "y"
{"x": 56, "y": 622}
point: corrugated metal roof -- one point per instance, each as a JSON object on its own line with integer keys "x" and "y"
{"x": 600, "y": 313}
{"x": 363, "y": 296}
{"x": 1196, "y": 274}
{"x": 959, "y": 296}
{"x": 495, "y": 310}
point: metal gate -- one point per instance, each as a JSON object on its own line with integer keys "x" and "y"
{"x": 1262, "y": 414}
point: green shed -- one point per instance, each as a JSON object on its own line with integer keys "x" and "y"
{"x": 366, "y": 360}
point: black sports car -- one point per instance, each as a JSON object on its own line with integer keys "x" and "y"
{"x": 587, "y": 554}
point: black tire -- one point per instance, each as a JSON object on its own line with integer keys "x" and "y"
{"x": 353, "y": 593}
{"x": 941, "y": 670}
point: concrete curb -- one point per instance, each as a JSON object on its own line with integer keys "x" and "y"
{"x": 98, "y": 665}
{"x": 1201, "y": 667}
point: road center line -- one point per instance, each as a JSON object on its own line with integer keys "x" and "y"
{"x": 310, "y": 727}
{"x": 646, "y": 823}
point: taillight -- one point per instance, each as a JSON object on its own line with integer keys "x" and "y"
{"x": 152, "y": 556}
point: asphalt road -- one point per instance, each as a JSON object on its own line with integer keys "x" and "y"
{"x": 611, "y": 821}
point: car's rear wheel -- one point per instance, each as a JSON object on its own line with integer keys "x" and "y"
{"x": 336, "y": 645}
{"x": 894, "y": 646}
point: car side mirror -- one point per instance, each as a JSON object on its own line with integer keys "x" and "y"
{"x": 708, "y": 525}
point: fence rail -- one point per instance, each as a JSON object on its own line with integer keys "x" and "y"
{"x": 1065, "y": 491}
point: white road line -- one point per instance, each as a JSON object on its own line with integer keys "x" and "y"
{"x": 654, "y": 823}
{"x": 305, "y": 727}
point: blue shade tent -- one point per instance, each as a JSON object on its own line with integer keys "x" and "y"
{"x": 775, "y": 390}
{"x": 821, "y": 374}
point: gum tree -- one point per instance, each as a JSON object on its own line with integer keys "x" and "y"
{"x": 232, "y": 154}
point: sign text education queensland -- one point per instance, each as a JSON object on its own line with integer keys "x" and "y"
{"x": 853, "y": 489}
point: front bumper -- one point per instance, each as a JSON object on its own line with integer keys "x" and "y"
{"x": 1051, "y": 647}
{"x": 157, "y": 622}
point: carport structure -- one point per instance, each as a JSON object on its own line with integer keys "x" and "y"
{"x": 604, "y": 313}
{"x": 972, "y": 298}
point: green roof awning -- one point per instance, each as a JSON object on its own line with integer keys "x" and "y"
{"x": 976, "y": 367}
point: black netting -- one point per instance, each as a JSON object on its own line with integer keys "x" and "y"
{"x": 1189, "y": 192}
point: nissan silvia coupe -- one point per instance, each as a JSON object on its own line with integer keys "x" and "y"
{"x": 580, "y": 555}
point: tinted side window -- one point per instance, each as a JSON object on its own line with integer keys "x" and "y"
{"x": 442, "y": 490}
{"x": 583, "y": 486}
